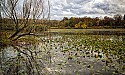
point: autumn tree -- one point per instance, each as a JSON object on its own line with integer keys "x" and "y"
{"x": 65, "y": 18}
{"x": 81, "y": 25}
{"x": 72, "y": 21}
{"x": 87, "y": 21}
{"x": 95, "y": 21}
{"x": 117, "y": 17}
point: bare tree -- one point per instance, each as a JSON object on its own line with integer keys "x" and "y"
{"x": 20, "y": 11}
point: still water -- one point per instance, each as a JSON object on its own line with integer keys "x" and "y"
{"x": 61, "y": 54}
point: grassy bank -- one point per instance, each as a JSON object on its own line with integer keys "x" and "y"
{"x": 82, "y": 30}
{"x": 90, "y": 31}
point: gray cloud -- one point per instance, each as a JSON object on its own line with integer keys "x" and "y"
{"x": 116, "y": 6}
{"x": 78, "y": 1}
{"x": 102, "y": 6}
{"x": 79, "y": 8}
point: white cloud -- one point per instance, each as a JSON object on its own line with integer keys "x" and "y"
{"x": 67, "y": 13}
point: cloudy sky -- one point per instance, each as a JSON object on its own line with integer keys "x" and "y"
{"x": 81, "y": 8}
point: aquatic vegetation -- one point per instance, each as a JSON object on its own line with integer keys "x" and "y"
{"x": 106, "y": 49}
{"x": 78, "y": 53}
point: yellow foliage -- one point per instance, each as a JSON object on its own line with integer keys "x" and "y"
{"x": 84, "y": 26}
{"x": 77, "y": 25}
{"x": 81, "y": 25}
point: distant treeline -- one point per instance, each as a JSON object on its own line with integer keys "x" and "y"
{"x": 117, "y": 21}
{"x": 38, "y": 25}
{"x": 87, "y": 22}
